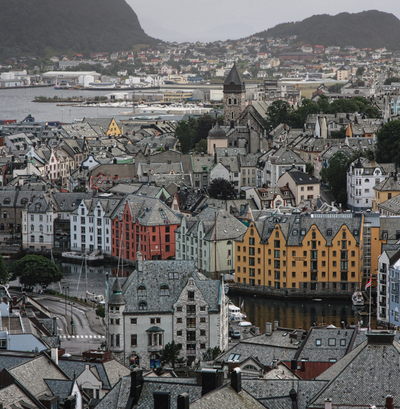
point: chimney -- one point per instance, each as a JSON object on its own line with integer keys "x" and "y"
{"x": 299, "y": 335}
{"x": 183, "y": 401}
{"x": 389, "y": 402}
{"x": 276, "y": 325}
{"x": 209, "y": 380}
{"x": 328, "y": 403}
{"x": 162, "y": 400}
{"x": 54, "y": 355}
{"x": 136, "y": 386}
{"x": 268, "y": 328}
{"x": 236, "y": 380}
{"x": 293, "y": 364}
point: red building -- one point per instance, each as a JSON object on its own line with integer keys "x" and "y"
{"x": 143, "y": 223}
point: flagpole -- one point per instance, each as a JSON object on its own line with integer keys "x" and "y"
{"x": 370, "y": 296}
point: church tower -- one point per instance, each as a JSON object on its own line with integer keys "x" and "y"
{"x": 234, "y": 96}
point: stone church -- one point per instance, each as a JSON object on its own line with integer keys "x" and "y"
{"x": 243, "y": 124}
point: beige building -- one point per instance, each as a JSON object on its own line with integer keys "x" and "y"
{"x": 301, "y": 184}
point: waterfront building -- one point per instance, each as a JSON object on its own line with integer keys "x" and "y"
{"x": 165, "y": 301}
{"x": 90, "y": 224}
{"x": 146, "y": 224}
{"x": 302, "y": 252}
{"x": 208, "y": 239}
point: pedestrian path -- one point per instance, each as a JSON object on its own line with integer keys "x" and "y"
{"x": 82, "y": 336}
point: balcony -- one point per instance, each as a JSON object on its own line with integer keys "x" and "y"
{"x": 190, "y": 352}
{"x": 154, "y": 348}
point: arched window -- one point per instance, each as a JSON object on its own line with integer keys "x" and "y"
{"x": 229, "y": 101}
{"x": 41, "y": 240}
{"x": 164, "y": 290}
{"x": 234, "y": 101}
{"x": 142, "y": 306}
{"x": 32, "y": 239}
{"x": 32, "y": 228}
{"x": 142, "y": 291}
{"x": 41, "y": 227}
{"x": 7, "y": 200}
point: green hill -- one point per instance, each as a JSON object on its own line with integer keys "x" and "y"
{"x": 30, "y": 27}
{"x": 372, "y": 29}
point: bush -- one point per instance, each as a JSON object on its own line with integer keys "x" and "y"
{"x": 100, "y": 311}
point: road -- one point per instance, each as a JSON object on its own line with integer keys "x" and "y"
{"x": 80, "y": 336}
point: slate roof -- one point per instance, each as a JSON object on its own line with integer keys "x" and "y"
{"x": 228, "y": 227}
{"x": 157, "y": 273}
{"x": 363, "y": 377}
{"x": 392, "y": 206}
{"x": 390, "y": 184}
{"x": 61, "y": 388}
{"x": 276, "y": 392}
{"x": 226, "y": 396}
{"x": 295, "y": 226}
{"x": 302, "y": 178}
{"x": 150, "y": 211}
{"x": 12, "y": 396}
{"x": 117, "y": 398}
{"x": 318, "y": 346}
{"x": 234, "y": 82}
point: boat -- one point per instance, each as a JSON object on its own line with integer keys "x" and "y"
{"x": 76, "y": 256}
{"x": 98, "y": 299}
{"x": 357, "y": 299}
{"x": 234, "y": 313}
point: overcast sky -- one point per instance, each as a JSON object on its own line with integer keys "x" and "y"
{"x": 210, "y": 20}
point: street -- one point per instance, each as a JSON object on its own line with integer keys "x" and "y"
{"x": 80, "y": 336}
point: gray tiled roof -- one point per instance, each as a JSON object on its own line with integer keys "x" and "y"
{"x": 268, "y": 390}
{"x": 61, "y": 388}
{"x": 363, "y": 377}
{"x": 155, "y": 274}
{"x": 226, "y": 396}
{"x": 324, "y": 344}
{"x": 117, "y": 398}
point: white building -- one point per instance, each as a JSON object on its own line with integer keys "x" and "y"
{"x": 90, "y": 225}
{"x": 362, "y": 176}
{"x": 165, "y": 301}
{"x": 37, "y": 223}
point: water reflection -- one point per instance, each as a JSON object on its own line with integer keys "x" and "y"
{"x": 299, "y": 314}
{"x": 93, "y": 279}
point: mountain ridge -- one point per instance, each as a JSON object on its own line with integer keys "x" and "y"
{"x": 32, "y": 26}
{"x": 371, "y": 28}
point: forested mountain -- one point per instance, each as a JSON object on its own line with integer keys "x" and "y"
{"x": 372, "y": 28}
{"x": 31, "y": 27}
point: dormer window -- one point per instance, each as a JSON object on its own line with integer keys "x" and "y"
{"x": 142, "y": 306}
{"x": 142, "y": 291}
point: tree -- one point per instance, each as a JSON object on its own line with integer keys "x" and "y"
{"x": 100, "y": 311}
{"x": 341, "y": 133}
{"x": 309, "y": 168}
{"x": 32, "y": 269}
{"x": 221, "y": 188}
{"x": 388, "y": 81}
{"x": 388, "y": 143}
{"x": 170, "y": 354}
{"x": 277, "y": 113}
{"x": 185, "y": 132}
{"x": 335, "y": 176}
{"x": 201, "y": 146}
{"x": 4, "y": 275}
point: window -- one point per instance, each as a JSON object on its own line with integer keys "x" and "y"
{"x": 191, "y": 322}
{"x": 318, "y": 342}
{"x": 203, "y": 319}
{"x": 117, "y": 340}
{"x": 191, "y": 295}
{"x": 179, "y": 333}
{"x": 142, "y": 291}
{"x": 203, "y": 332}
{"x": 133, "y": 340}
{"x": 142, "y": 306}
{"x": 332, "y": 342}
{"x": 202, "y": 308}
{"x": 191, "y": 309}
{"x": 133, "y": 320}
{"x": 165, "y": 290}
{"x": 342, "y": 342}
{"x": 179, "y": 320}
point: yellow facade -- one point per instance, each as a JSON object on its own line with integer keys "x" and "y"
{"x": 382, "y": 196}
{"x": 314, "y": 264}
{"x": 114, "y": 129}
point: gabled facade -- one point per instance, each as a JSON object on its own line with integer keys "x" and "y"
{"x": 165, "y": 301}
{"x": 143, "y": 224}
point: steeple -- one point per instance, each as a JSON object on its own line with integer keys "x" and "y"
{"x": 116, "y": 298}
{"x": 234, "y": 82}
